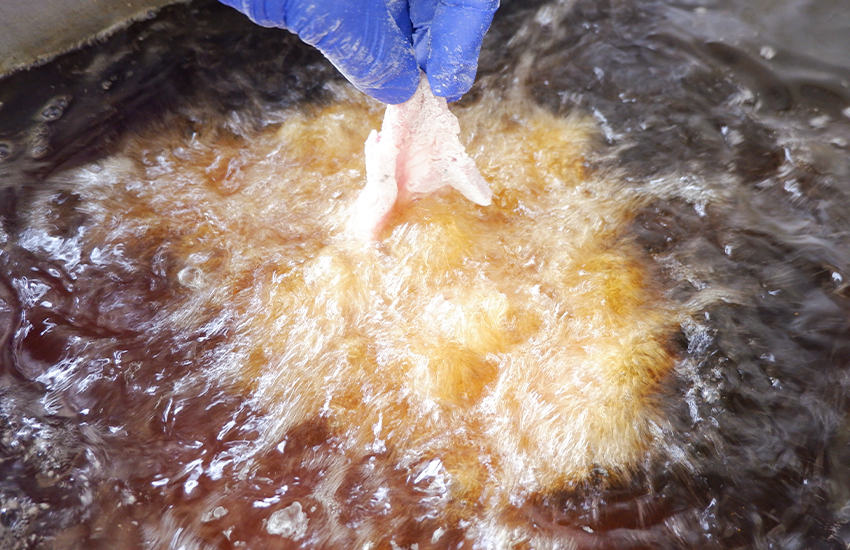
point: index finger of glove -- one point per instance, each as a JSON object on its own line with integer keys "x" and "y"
{"x": 363, "y": 41}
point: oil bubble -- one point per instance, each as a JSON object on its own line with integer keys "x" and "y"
{"x": 54, "y": 108}
{"x": 216, "y": 513}
{"x": 191, "y": 277}
{"x": 8, "y": 516}
{"x": 290, "y": 522}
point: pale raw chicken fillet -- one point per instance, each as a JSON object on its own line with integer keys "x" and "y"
{"x": 417, "y": 152}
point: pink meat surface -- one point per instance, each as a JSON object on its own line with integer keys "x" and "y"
{"x": 417, "y": 152}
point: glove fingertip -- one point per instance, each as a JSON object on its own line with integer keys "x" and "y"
{"x": 452, "y": 86}
{"x": 396, "y": 90}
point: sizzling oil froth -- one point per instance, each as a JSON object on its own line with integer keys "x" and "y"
{"x": 491, "y": 353}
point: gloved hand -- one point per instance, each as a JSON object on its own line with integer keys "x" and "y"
{"x": 379, "y": 45}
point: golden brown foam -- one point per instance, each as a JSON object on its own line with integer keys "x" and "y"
{"x": 520, "y": 344}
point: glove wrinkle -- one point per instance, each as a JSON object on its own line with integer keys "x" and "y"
{"x": 401, "y": 15}
{"x": 422, "y": 47}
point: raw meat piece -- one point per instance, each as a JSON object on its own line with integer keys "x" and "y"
{"x": 416, "y": 152}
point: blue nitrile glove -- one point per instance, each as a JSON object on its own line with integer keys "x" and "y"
{"x": 447, "y": 37}
{"x": 372, "y": 41}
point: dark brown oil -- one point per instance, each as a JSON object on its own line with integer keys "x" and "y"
{"x": 196, "y": 356}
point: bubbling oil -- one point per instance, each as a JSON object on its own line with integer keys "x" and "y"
{"x": 428, "y": 382}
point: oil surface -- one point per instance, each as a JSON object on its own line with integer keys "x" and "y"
{"x": 480, "y": 355}
{"x": 642, "y": 343}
